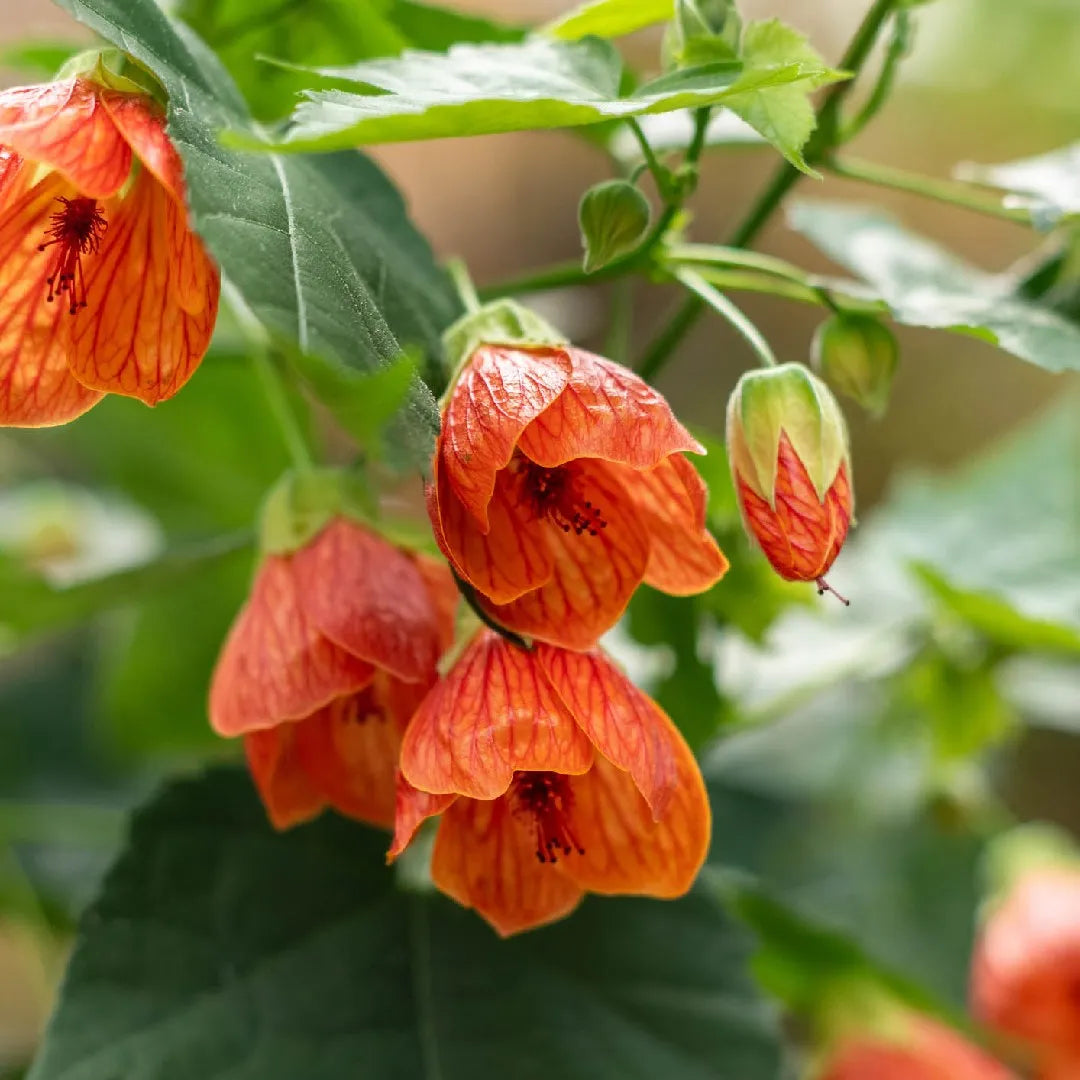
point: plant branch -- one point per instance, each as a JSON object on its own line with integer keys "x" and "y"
{"x": 719, "y": 303}
{"x": 899, "y": 47}
{"x": 660, "y": 174}
{"x": 929, "y": 187}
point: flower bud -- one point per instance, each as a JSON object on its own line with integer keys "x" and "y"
{"x": 788, "y": 449}
{"x": 1025, "y": 979}
{"x": 859, "y": 356}
{"x": 614, "y": 216}
{"x": 704, "y": 31}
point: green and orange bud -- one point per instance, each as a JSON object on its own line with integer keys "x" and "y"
{"x": 859, "y": 356}
{"x": 788, "y": 449}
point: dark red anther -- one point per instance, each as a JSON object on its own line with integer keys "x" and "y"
{"x": 546, "y": 798}
{"x": 554, "y": 495}
{"x": 76, "y": 230}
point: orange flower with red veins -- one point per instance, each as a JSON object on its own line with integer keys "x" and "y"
{"x": 921, "y": 1049}
{"x": 555, "y": 776}
{"x": 560, "y": 485}
{"x": 324, "y": 666}
{"x": 787, "y": 446}
{"x": 1026, "y": 969}
{"x": 103, "y": 285}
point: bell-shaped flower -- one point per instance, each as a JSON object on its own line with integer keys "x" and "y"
{"x": 912, "y": 1047}
{"x": 555, "y": 776}
{"x": 333, "y": 651}
{"x": 788, "y": 451}
{"x": 1025, "y": 980}
{"x": 560, "y": 484}
{"x": 104, "y": 287}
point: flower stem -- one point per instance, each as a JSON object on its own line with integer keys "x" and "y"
{"x": 716, "y": 300}
{"x": 929, "y": 187}
{"x": 784, "y": 179}
{"x": 466, "y": 290}
{"x": 899, "y": 46}
{"x": 277, "y": 397}
{"x": 468, "y": 594}
{"x": 659, "y": 173}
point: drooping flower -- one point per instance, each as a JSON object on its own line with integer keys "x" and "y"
{"x": 555, "y": 776}
{"x": 788, "y": 450}
{"x": 325, "y": 664}
{"x": 104, "y": 287}
{"x": 560, "y": 484}
{"x": 917, "y": 1048}
{"x": 1025, "y": 980}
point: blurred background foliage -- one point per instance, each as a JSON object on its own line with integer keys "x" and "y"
{"x": 857, "y": 758}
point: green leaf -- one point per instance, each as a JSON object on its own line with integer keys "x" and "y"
{"x": 320, "y": 32}
{"x": 609, "y": 18}
{"x": 485, "y": 89}
{"x": 1048, "y": 184}
{"x": 783, "y": 114}
{"x": 220, "y": 947}
{"x": 321, "y": 252}
{"x": 927, "y": 286}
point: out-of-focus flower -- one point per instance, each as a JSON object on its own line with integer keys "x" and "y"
{"x": 325, "y": 664}
{"x": 555, "y": 776}
{"x": 859, "y": 356}
{"x": 913, "y": 1048}
{"x": 787, "y": 444}
{"x": 560, "y": 484}
{"x": 1025, "y": 979}
{"x": 104, "y": 287}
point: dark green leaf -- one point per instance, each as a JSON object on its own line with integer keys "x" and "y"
{"x": 484, "y": 89}
{"x": 926, "y": 286}
{"x": 220, "y": 947}
{"x": 320, "y": 251}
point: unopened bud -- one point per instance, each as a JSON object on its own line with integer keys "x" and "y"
{"x": 704, "y": 31}
{"x": 614, "y": 217}
{"x": 859, "y": 356}
{"x": 788, "y": 449}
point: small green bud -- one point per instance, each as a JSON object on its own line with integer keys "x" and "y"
{"x": 301, "y": 504}
{"x": 614, "y": 217}
{"x": 859, "y": 356}
{"x": 704, "y": 31}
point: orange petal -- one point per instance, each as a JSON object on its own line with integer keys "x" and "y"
{"x": 626, "y": 851}
{"x": 493, "y": 715}
{"x": 142, "y": 124}
{"x": 65, "y": 125}
{"x": 606, "y": 412}
{"x": 443, "y": 593}
{"x": 152, "y": 298}
{"x": 36, "y": 385}
{"x": 683, "y": 557}
{"x": 275, "y": 665}
{"x": 625, "y": 725}
{"x": 285, "y": 788}
{"x": 413, "y": 808}
{"x": 350, "y": 750}
{"x": 593, "y": 577}
{"x": 511, "y": 557}
{"x": 499, "y": 392}
{"x": 485, "y": 858}
{"x": 369, "y": 598}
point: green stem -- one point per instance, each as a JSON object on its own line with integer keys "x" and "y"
{"x": 468, "y": 594}
{"x": 463, "y": 282}
{"x": 620, "y": 321}
{"x": 783, "y": 180}
{"x": 719, "y": 303}
{"x": 945, "y": 191}
{"x": 660, "y": 174}
{"x": 899, "y": 46}
{"x": 719, "y": 255}
{"x": 278, "y": 399}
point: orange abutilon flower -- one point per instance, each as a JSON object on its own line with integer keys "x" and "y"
{"x": 555, "y": 776}
{"x": 103, "y": 285}
{"x": 919, "y": 1049}
{"x": 1025, "y": 979}
{"x": 322, "y": 669}
{"x": 787, "y": 446}
{"x": 560, "y": 484}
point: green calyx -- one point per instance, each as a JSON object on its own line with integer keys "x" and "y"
{"x": 702, "y": 32}
{"x": 302, "y": 503}
{"x": 115, "y": 70}
{"x": 858, "y": 355}
{"x": 790, "y": 400}
{"x": 502, "y": 322}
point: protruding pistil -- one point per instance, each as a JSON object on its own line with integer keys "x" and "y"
{"x": 76, "y": 230}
